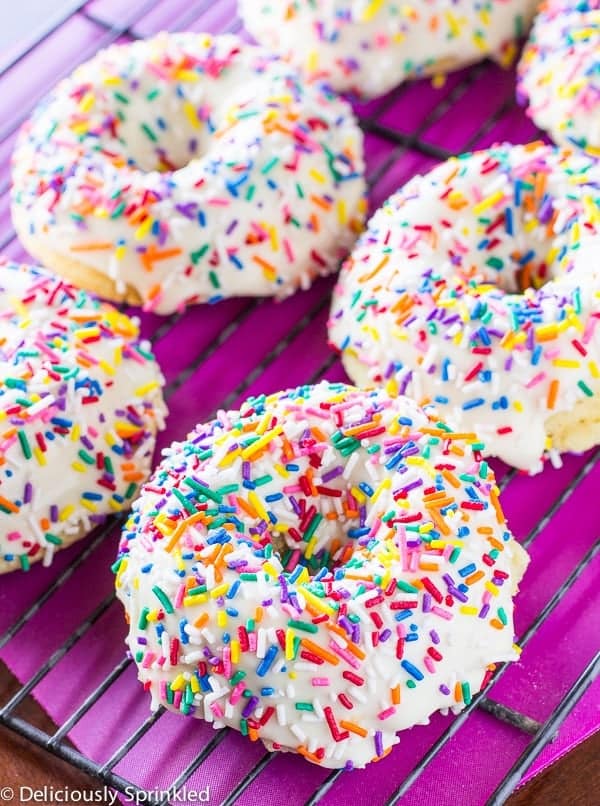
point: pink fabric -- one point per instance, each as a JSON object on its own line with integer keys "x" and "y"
{"x": 248, "y": 357}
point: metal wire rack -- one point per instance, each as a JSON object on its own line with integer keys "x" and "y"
{"x": 396, "y": 144}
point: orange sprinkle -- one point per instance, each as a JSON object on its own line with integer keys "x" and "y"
{"x": 395, "y": 692}
{"x": 201, "y": 620}
{"x": 4, "y": 502}
{"x": 92, "y": 246}
{"x": 320, "y": 652}
{"x": 457, "y": 692}
{"x": 552, "y": 393}
{"x": 353, "y": 728}
{"x": 473, "y": 578}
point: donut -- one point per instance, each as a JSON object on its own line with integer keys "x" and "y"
{"x": 559, "y": 73}
{"x": 367, "y": 47}
{"x": 80, "y": 406}
{"x": 477, "y": 288}
{"x": 319, "y": 570}
{"x": 188, "y": 168}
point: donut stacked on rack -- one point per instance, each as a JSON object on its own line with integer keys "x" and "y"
{"x": 559, "y": 72}
{"x": 188, "y": 168}
{"x": 320, "y": 569}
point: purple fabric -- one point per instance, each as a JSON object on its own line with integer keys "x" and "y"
{"x": 236, "y": 349}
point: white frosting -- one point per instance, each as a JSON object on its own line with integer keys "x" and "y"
{"x": 369, "y": 46}
{"x": 190, "y": 168}
{"x": 80, "y": 405}
{"x": 418, "y": 605}
{"x": 429, "y": 301}
{"x": 559, "y": 73}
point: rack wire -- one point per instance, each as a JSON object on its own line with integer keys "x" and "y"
{"x": 397, "y": 145}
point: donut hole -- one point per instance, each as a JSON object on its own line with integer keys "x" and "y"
{"x": 517, "y": 245}
{"x": 160, "y": 113}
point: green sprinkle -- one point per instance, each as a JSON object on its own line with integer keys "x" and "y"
{"x": 304, "y": 706}
{"x": 143, "y": 620}
{"x": 25, "y": 447}
{"x": 149, "y": 133}
{"x": 56, "y": 541}
{"x": 303, "y": 625}
{"x": 466, "y": 692}
{"x": 163, "y": 599}
{"x": 585, "y": 388}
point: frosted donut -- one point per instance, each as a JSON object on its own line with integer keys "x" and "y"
{"x": 188, "y": 168}
{"x": 80, "y": 406}
{"x": 559, "y": 73}
{"x": 429, "y": 303}
{"x": 319, "y": 570}
{"x": 367, "y": 47}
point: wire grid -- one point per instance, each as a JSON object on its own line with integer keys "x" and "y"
{"x": 398, "y": 144}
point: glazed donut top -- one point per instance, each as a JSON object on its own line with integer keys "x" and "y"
{"x": 387, "y": 596}
{"x": 559, "y": 73}
{"x": 80, "y": 404}
{"x": 429, "y": 302}
{"x": 188, "y": 168}
{"x": 367, "y": 47}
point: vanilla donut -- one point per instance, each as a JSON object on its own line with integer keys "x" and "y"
{"x": 80, "y": 405}
{"x": 188, "y": 168}
{"x": 319, "y": 570}
{"x": 559, "y": 73}
{"x": 366, "y": 47}
{"x": 429, "y": 303}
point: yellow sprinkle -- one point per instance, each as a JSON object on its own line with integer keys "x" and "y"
{"x": 78, "y": 467}
{"x": 262, "y": 442}
{"x": 39, "y": 455}
{"x": 358, "y": 494}
{"x": 220, "y": 590}
{"x": 195, "y": 683}
{"x": 310, "y": 547}
{"x": 229, "y": 458}
{"x": 178, "y": 683}
{"x": 141, "y": 391}
{"x": 106, "y": 367}
{"x": 485, "y": 204}
{"x": 317, "y": 176}
{"x": 88, "y": 505}
{"x": 342, "y": 211}
{"x": 143, "y": 229}
{"x": 289, "y": 644}
{"x": 468, "y": 610}
{"x": 518, "y": 406}
{"x": 384, "y": 485}
{"x": 195, "y": 599}
{"x": 312, "y": 61}
{"x": 75, "y": 433}
{"x": 493, "y": 589}
{"x": 221, "y": 618}
{"x": 235, "y": 650}
{"x": 593, "y": 367}
{"x": 373, "y": 8}
{"x": 66, "y": 512}
{"x": 258, "y": 506}
{"x": 316, "y": 603}
{"x": 566, "y": 363}
{"x": 270, "y": 569}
